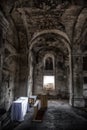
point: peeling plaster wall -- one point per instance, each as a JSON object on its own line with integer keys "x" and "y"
{"x": 61, "y": 80}
{"x": 7, "y": 62}
{"x": 60, "y": 71}
{"x": 69, "y": 19}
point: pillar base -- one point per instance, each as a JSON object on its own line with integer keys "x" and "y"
{"x": 78, "y": 102}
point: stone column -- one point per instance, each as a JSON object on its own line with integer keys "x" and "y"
{"x": 30, "y": 77}
{"x": 78, "y": 100}
{"x": 70, "y": 80}
{"x": 1, "y": 60}
{"x": 3, "y": 30}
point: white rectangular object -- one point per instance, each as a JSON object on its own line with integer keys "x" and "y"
{"x": 19, "y": 109}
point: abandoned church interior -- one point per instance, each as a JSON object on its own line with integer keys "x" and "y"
{"x": 43, "y": 64}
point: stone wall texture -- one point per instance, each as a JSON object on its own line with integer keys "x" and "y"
{"x": 30, "y": 30}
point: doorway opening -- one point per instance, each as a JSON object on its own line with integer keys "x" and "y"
{"x": 49, "y": 82}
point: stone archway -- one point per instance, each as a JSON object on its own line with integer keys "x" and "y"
{"x": 35, "y": 40}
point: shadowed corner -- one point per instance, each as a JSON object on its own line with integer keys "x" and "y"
{"x": 40, "y": 115}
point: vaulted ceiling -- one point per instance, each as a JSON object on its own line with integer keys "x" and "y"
{"x": 30, "y": 17}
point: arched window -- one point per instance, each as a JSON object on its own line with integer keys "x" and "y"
{"x": 48, "y": 63}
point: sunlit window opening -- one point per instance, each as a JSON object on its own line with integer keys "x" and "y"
{"x": 49, "y": 82}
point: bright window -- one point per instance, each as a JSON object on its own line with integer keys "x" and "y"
{"x": 49, "y": 82}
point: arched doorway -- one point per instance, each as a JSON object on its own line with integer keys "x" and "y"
{"x": 53, "y": 42}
